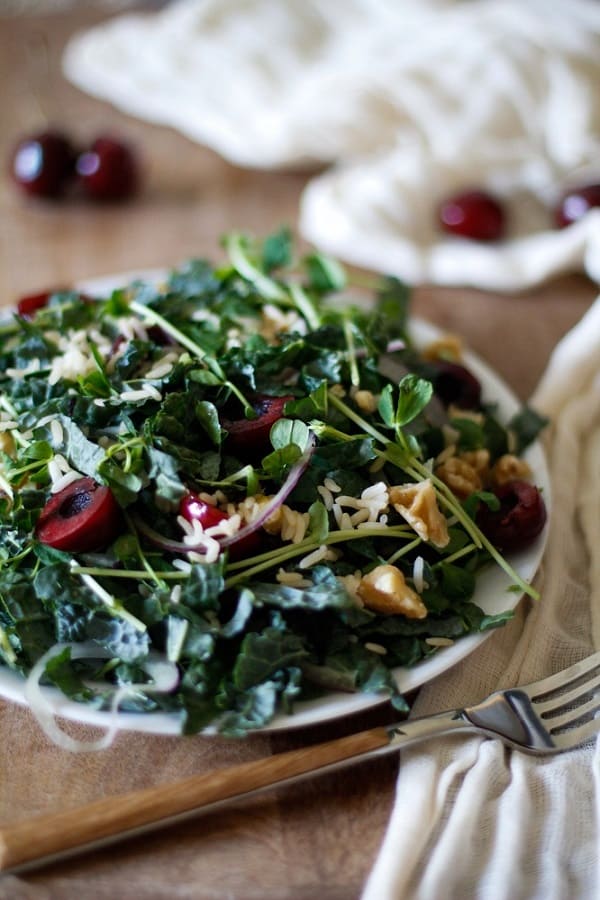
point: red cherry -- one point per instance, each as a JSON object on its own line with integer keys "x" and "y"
{"x": 83, "y": 516}
{"x": 473, "y": 214}
{"x": 575, "y": 203}
{"x": 519, "y": 519}
{"x": 42, "y": 164}
{"x": 27, "y": 306}
{"x": 192, "y": 508}
{"x": 252, "y": 435}
{"x": 108, "y": 170}
{"x": 455, "y": 385}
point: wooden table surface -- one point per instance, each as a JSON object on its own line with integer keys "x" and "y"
{"x": 314, "y": 840}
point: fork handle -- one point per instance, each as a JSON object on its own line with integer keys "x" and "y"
{"x": 49, "y": 837}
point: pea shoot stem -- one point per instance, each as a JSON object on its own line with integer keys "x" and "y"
{"x": 415, "y": 469}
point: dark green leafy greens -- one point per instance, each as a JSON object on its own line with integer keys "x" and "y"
{"x": 136, "y": 391}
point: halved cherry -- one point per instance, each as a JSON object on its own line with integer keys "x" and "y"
{"x": 519, "y": 519}
{"x": 28, "y": 305}
{"x": 454, "y": 384}
{"x": 252, "y": 435}
{"x": 82, "y": 517}
{"x": 194, "y": 509}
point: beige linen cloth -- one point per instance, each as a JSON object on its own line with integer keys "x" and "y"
{"x": 472, "y": 819}
{"x": 407, "y": 101}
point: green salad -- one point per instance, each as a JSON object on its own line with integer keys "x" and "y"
{"x": 249, "y": 480}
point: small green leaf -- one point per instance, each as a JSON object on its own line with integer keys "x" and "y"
{"x": 414, "y": 394}
{"x": 325, "y": 274}
{"x": 290, "y": 431}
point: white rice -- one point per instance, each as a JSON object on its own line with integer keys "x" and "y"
{"x": 361, "y": 515}
{"x": 326, "y": 496}
{"x": 294, "y": 525}
{"x": 225, "y": 528}
{"x": 439, "y": 641}
{"x": 321, "y": 554}
{"x": 292, "y": 579}
{"x": 64, "y": 481}
{"x": 375, "y": 648}
{"x": 146, "y": 393}
{"x": 159, "y": 371}
{"x": 209, "y": 553}
{"x": 56, "y": 430}
{"x": 418, "y": 572}
{"x": 62, "y": 463}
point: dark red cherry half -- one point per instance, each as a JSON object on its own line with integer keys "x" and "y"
{"x": 575, "y": 203}
{"x": 82, "y": 517}
{"x": 192, "y": 508}
{"x": 43, "y": 163}
{"x": 108, "y": 170}
{"x": 519, "y": 519}
{"x": 454, "y": 384}
{"x": 473, "y": 214}
{"x": 27, "y": 306}
{"x": 252, "y": 435}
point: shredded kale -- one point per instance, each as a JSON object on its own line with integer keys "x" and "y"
{"x": 140, "y": 392}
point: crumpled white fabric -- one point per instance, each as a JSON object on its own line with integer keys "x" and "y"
{"x": 410, "y": 99}
{"x": 471, "y": 818}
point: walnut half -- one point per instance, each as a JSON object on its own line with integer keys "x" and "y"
{"x": 417, "y": 503}
{"x": 384, "y": 590}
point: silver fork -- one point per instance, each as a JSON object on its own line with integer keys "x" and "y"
{"x": 549, "y": 716}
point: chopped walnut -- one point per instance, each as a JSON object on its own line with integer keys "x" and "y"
{"x": 460, "y": 476}
{"x": 456, "y": 412}
{"x": 384, "y": 590}
{"x": 365, "y": 400}
{"x": 449, "y": 346}
{"x": 417, "y": 503}
{"x": 509, "y": 468}
{"x": 480, "y": 460}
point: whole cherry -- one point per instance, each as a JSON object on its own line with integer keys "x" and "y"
{"x": 84, "y": 516}
{"x": 473, "y": 214}
{"x": 575, "y": 203}
{"x": 43, "y": 163}
{"x": 108, "y": 170}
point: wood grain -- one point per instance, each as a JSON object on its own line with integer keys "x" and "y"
{"x": 314, "y": 840}
{"x": 55, "y": 833}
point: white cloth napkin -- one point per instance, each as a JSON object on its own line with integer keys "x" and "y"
{"x": 472, "y": 819}
{"x": 411, "y": 99}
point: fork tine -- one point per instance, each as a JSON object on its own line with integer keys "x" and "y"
{"x": 572, "y": 715}
{"x": 545, "y": 708}
{"x": 562, "y": 679}
{"x": 575, "y": 736}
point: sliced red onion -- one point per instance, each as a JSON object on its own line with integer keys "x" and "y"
{"x": 267, "y": 510}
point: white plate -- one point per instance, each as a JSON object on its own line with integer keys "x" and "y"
{"x": 492, "y": 593}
